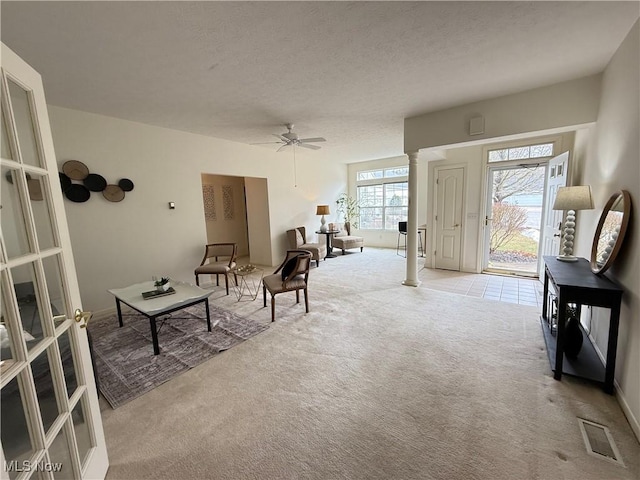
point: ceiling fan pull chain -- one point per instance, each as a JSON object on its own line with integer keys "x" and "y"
{"x": 295, "y": 171}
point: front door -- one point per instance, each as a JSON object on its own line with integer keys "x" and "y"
{"x": 557, "y": 171}
{"x": 51, "y": 425}
{"x": 515, "y": 202}
{"x": 448, "y": 221}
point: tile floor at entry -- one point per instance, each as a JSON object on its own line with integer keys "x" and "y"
{"x": 524, "y": 291}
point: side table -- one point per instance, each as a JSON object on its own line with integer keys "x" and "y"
{"x": 249, "y": 281}
{"x": 576, "y": 283}
{"x": 328, "y": 233}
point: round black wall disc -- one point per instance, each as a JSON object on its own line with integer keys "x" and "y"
{"x": 126, "y": 184}
{"x": 95, "y": 182}
{"x": 65, "y": 181}
{"x": 77, "y": 193}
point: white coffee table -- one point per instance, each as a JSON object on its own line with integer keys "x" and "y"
{"x": 186, "y": 295}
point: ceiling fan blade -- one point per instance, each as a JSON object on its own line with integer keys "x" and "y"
{"x": 284, "y": 139}
{"x": 265, "y": 143}
{"x": 313, "y": 140}
{"x": 306, "y": 145}
{"x": 283, "y": 146}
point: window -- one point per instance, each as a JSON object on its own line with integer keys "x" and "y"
{"x": 521, "y": 153}
{"x": 383, "y": 196}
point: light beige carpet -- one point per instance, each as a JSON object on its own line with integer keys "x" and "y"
{"x": 378, "y": 381}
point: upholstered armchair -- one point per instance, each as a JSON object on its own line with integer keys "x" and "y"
{"x": 292, "y": 275}
{"x": 297, "y": 239}
{"x": 219, "y": 259}
{"x": 345, "y": 241}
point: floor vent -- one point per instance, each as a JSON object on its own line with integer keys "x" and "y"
{"x": 599, "y": 441}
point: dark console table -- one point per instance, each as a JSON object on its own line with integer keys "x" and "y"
{"x": 575, "y": 283}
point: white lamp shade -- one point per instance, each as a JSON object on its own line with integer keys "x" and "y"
{"x": 574, "y": 198}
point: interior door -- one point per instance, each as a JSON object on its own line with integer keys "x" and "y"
{"x": 51, "y": 425}
{"x": 448, "y": 221}
{"x": 557, "y": 170}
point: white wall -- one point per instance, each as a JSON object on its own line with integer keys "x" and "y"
{"x": 557, "y": 106}
{"x": 610, "y": 161}
{"x": 117, "y": 244}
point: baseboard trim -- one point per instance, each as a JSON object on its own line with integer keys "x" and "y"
{"x": 631, "y": 418}
{"x": 626, "y": 409}
{"x": 100, "y": 314}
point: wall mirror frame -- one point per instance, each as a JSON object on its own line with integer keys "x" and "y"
{"x": 610, "y": 231}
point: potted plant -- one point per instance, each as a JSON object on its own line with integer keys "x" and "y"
{"x": 163, "y": 284}
{"x": 349, "y": 208}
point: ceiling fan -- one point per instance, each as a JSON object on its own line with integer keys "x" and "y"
{"x": 290, "y": 139}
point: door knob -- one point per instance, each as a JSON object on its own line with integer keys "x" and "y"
{"x": 80, "y": 316}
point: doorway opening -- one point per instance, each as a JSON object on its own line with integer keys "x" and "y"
{"x": 514, "y": 221}
{"x": 236, "y": 209}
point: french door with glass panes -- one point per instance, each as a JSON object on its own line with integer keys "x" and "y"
{"x": 51, "y": 425}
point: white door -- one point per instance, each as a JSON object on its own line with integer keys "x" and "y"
{"x": 448, "y": 220}
{"x": 51, "y": 425}
{"x": 557, "y": 170}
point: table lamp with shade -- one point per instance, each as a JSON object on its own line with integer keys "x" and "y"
{"x": 571, "y": 199}
{"x": 322, "y": 210}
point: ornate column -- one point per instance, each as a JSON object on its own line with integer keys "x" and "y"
{"x": 411, "y": 279}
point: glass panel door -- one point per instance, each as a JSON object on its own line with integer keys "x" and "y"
{"x": 514, "y": 222}
{"x": 51, "y": 425}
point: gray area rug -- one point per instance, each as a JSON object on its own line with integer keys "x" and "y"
{"x": 125, "y": 363}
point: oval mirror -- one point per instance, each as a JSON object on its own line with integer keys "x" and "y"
{"x": 610, "y": 231}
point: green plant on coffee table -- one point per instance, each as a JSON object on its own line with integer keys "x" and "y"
{"x": 161, "y": 282}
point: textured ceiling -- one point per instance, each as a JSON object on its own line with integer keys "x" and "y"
{"x": 350, "y": 72}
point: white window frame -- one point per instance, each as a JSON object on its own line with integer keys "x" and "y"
{"x": 385, "y": 180}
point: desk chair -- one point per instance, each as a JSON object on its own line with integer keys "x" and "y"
{"x": 402, "y": 233}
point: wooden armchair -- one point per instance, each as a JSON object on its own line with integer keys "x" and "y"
{"x": 291, "y": 275}
{"x": 219, "y": 259}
